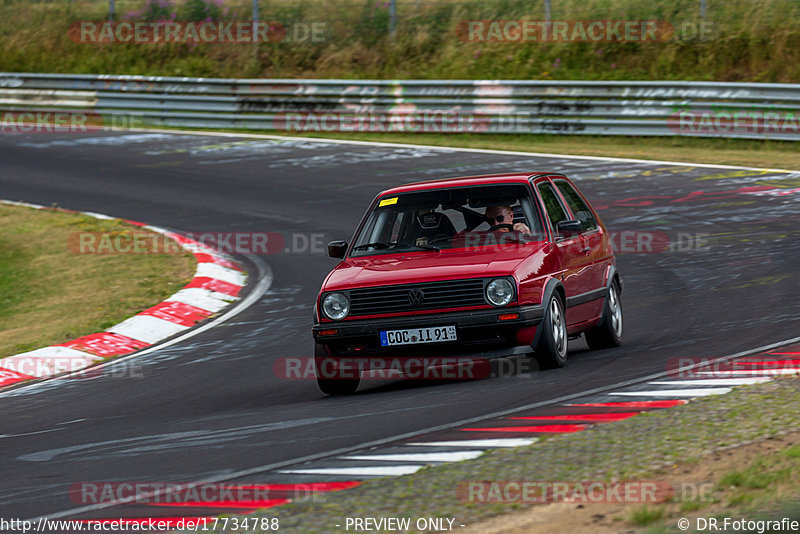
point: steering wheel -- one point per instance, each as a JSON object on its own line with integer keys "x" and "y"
{"x": 510, "y": 227}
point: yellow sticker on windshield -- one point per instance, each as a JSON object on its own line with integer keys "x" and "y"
{"x": 387, "y": 202}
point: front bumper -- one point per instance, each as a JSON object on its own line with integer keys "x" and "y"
{"x": 475, "y": 329}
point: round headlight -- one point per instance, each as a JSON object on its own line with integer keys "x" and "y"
{"x": 335, "y": 306}
{"x": 499, "y": 292}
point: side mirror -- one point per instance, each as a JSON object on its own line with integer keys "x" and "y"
{"x": 337, "y": 249}
{"x": 568, "y": 228}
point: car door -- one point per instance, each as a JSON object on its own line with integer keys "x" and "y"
{"x": 574, "y": 275}
{"x": 592, "y": 249}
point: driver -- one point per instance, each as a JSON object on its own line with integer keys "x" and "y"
{"x": 497, "y": 215}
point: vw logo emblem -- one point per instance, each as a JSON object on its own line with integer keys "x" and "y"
{"x": 415, "y": 297}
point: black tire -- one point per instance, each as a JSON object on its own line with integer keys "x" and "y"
{"x": 551, "y": 351}
{"x": 331, "y": 385}
{"x": 608, "y": 333}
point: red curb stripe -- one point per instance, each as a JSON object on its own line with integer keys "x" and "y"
{"x": 772, "y": 363}
{"x": 213, "y": 284}
{"x": 538, "y": 428}
{"x": 8, "y": 377}
{"x": 105, "y": 344}
{"x": 178, "y": 312}
{"x": 135, "y": 223}
{"x": 636, "y": 404}
{"x": 203, "y": 257}
{"x": 247, "y": 505}
{"x": 304, "y": 486}
{"x": 611, "y": 416}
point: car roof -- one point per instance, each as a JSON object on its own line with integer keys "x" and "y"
{"x": 484, "y": 179}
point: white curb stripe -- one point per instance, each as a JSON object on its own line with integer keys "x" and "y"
{"x": 48, "y": 361}
{"x": 202, "y": 298}
{"x": 197, "y": 248}
{"x": 147, "y": 328}
{"x": 212, "y": 270}
{"x": 98, "y": 216}
{"x": 503, "y": 442}
{"x": 675, "y": 392}
{"x": 419, "y": 456}
{"x": 384, "y": 471}
{"x": 714, "y": 382}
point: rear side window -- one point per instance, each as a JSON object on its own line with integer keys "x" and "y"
{"x": 555, "y": 212}
{"x": 577, "y": 205}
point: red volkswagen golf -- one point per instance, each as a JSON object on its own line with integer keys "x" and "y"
{"x": 477, "y": 266}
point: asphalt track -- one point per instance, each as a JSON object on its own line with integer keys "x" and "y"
{"x": 212, "y": 407}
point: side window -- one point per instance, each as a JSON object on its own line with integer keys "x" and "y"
{"x": 578, "y": 206}
{"x": 553, "y": 207}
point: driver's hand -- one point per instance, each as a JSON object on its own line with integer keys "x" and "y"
{"x": 522, "y": 228}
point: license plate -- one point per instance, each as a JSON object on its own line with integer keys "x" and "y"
{"x": 413, "y": 336}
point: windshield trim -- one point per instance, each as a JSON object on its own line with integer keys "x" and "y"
{"x": 385, "y": 195}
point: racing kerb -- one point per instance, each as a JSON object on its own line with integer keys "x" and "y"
{"x": 216, "y": 284}
{"x": 640, "y": 108}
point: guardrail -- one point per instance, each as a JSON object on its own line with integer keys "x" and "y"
{"x": 704, "y": 109}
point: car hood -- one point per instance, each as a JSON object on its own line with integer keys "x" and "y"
{"x": 428, "y": 266}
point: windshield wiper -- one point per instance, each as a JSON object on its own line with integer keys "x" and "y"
{"x": 384, "y": 245}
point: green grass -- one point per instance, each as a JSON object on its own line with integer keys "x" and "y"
{"x": 646, "y": 515}
{"x": 49, "y": 294}
{"x": 747, "y": 41}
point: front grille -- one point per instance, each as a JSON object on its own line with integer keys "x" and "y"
{"x": 436, "y": 295}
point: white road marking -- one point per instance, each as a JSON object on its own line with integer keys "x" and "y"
{"x": 418, "y": 456}
{"x": 460, "y": 149}
{"x": 714, "y": 382}
{"x": 759, "y": 372}
{"x": 701, "y": 392}
{"x": 504, "y": 442}
{"x": 371, "y": 471}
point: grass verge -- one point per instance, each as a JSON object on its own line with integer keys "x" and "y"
{"x": 675, "y": 445}
{"x": 49, "y": 294}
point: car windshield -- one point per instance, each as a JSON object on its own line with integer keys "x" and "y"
{"x": 462, "y": 217}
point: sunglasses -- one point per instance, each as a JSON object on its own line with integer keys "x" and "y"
{"x": 498, "y": 219}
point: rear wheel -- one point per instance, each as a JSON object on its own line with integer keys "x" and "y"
{"x": 551, "y": 352}
{"x": 329, "y": 377}
{"x": 608, "y": 333}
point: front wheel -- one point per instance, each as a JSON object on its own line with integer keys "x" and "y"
{"x": 608, "y": 333}
{"x": 551, "y": 352}
{"x": 329, "y": 377}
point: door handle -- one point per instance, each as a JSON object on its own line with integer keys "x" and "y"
{"x": 586, "y": 250}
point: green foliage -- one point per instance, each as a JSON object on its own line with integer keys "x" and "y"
{"x": 201, "y": 10}
{"x": 155, "y": 10}
{"x": 742, "y": 41}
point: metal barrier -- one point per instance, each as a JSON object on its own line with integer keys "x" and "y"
{"x": 706, "y": 109}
